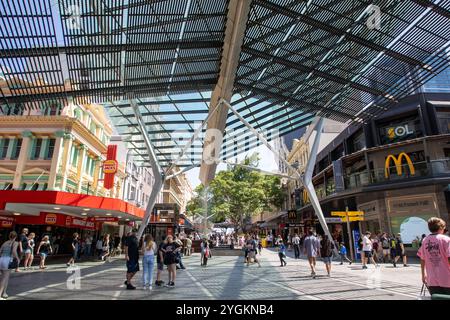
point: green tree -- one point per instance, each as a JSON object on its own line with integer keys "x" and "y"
{"x": 238, "y": 193}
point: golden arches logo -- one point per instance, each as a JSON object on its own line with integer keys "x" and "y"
{"x": 398, "y": 164}
{"x": 305, "y": 196}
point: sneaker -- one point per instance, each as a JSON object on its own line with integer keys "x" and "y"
{"x": 125, "y": 282}
{"x": 171, "y": 285}
{"x": 364, "y": 267}
{"x": 405, "y": 265}
{"x": 350, "y": 263}
{"x": 130, "y": 287}
{"x": 68, "y": 264}
{"x": 395, "y": 265}
{"x": 150, "y": 288}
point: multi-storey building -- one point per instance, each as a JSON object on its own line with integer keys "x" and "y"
{"x": 51, "y": 166}
{"x": 396, "y": 168}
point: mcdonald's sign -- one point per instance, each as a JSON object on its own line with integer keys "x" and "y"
{"x": 398, "y": 164}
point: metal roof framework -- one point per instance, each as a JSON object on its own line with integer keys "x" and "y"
{"x": 299, "y": 59}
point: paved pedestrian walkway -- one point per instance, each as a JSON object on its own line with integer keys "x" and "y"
{"x": 226, "y": 278}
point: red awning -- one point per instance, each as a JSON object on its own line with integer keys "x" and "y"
{"x": 65, "y": 202}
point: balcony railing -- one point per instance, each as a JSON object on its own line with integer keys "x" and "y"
{"x": 418, "y": 170}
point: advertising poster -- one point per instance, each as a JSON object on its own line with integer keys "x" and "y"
{"x": 410, "y": 228}
{"x": 356, "y": 236}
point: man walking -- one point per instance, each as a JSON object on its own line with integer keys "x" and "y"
{"x": 296, "y": 244}
{"x": 435, "y": 258}
{"x": 326, "y": 252}
{"x": 399, "y": 251}
{"x": 312, "y": 247}
{"x": 367, "y": 249}
{"x": 131, "y": 247}
{"x": 188, "y": 246}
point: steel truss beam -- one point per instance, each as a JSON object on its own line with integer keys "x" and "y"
{"x": 338, "y": 32}
{"x": 102, "y": 49}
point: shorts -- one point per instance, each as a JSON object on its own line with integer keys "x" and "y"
{"x": 386, "y": 252}
{"x": 399, "y": 253}
{"x": 251, "y": 254}
{"x": 4, "y": 263}
{"x": 160, "y": 266}
{"x": 368, "y": 254}
{"x": 132, "y": 266}
{"x": 27, "y": 251}
{"x": 43, "y": 255}
{"x": 326, "y": 260}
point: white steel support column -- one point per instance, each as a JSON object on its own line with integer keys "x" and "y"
{"x": 156, "y": 169}
{"x": 307, "y": 179}
{"x": 308, "y": 184}
{"x": 158, "y": 173}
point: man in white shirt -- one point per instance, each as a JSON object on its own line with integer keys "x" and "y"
{"x": 296, "y": 244}
{"x": 367, "y": 249}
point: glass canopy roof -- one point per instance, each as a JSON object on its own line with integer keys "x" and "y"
{"x": 299, "y": 59}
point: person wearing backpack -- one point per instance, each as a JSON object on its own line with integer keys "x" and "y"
{"x": 326, "y": 252}
{"x": 392, "y": 246}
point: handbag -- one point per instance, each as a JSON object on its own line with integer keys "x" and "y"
{"x": 423, "y": 293}
{"x": 13, "y": 263}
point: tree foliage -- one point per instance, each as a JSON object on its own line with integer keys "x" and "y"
{"x": 238, "y": 193}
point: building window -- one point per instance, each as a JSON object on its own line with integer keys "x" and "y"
{"x": 51, "y": 148}
{"x": 4, "y": 143}
{"x": 132, "y": 193}
{"x": 37, "y": 149}
{"x": 23, "y": 187}
{"x": 34, "y": 187}
{"x": 74, "y": 156}
{"x": 45, "y": 186}
{"x": 16, "y": 150}
{"x": 8, "y": 186}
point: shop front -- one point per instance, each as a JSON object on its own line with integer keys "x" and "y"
{"x": 408, "y": 215}
{"x": 372, "y": 219}
{"x": 60, "y": 214}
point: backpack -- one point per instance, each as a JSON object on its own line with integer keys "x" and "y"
{"x": 393, "y": 243}
{"x": 385, "y": 243}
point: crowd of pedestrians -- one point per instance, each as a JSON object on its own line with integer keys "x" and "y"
{"x": 168, "y": 255}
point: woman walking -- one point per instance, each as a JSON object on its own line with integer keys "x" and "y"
{"x": 8, "y": 255}
{"x": 206, "y": 253}
{"x": 29, "y": 253}
{"x": 75, "y": 248}
{"x": 43, "y": 250}
{"x": 148, "y": 261}
{"x": 282, "y": 253}
{"x": 105, "y": 247}
{"x": 170, "y": 259}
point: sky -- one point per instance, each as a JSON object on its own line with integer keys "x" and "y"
{"x": 267, "y": 163}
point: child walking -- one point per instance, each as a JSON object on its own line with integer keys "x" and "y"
{"x": 282, "y": 252}
{"x": 343, "y": 254}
